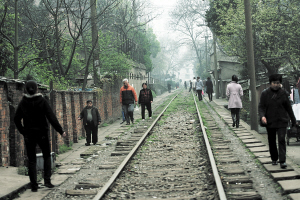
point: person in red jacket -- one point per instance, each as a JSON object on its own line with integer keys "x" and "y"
{"x": 34, "y": 110}
{"x": 127, "y": 98}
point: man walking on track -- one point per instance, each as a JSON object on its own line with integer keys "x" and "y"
{"x": 127, "y": 98}
{"x": 34, "y": 110}
{"x": 145, "y": 99}
{"x": 91, "y": 119}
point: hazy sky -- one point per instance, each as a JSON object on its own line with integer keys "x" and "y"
{"x": 160, "y": 24}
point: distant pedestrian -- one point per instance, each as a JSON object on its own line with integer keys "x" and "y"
{"x": 185, "y": 85}
{"x": 91, "y": 120}
{"x": 274, "y": 108}
{"x": 169, "y": 87}
{"x": 199, "y": 87}
{"x": 209, "y": 88}
{"x": 145, "y": 100}
{"x": 127, "y": 98}
{"x": 234, "y": 92}
{"x": 30, "y": 120}
{"x": 194, "y": 85}
{"x": 191, "y": 86}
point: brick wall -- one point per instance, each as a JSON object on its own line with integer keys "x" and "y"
{"x": 67, "y": 106}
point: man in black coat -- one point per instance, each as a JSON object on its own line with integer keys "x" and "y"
{"x": 145, "y": 99}
{"x": 34, "y": 110}
{"x": 209, "y": 88}
{"x": 91, "y": 119}
{"x": 274, "y": 111}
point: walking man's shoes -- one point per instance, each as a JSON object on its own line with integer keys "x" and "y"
{"x": 49, "y": 185}
{"x": 95, "y": 143}
{"x": 87, "y": 144}
{"x": 34, "y": 188}
{"x": 122, "y": 122}
{"x": 283, "y": 165}
{"x": 274, "y": 162}
{"x": 127, "y": 123}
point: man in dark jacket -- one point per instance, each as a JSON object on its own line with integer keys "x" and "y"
{"x": 91, "y": 119}
{"x": 127, "y": 98}
{"x": 275, "y": 110}
{"x": 34, "y": 110}
{"x": 209, "y": 88}
{"x": 145, "y": 99}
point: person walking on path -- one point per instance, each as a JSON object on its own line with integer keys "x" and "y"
{"x": 199, "y": 87}
{"x": 169, "y": 87}
{"x": 234, "y": 92}
{"x": 91, "y": 120}
{"x": 123, "y": 117}
{"x": 204, "y": 87}
{"x": 209, "y": 88}
{"x": 145, "y": 100}
{"x": 274, "y": 108}
{"x": 191, "y": 85}
{"x": 127, "y": 98}
{"x": 185, "y": 85}
{"x": 34, "y": 110}
{"x": 194, "y": 85}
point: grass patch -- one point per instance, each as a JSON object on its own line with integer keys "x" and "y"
{"x": 64, "y": 148}
{"x": 23, "y": 170}
{"x": 81, "y": 138}
{"x": 104, "y": 125}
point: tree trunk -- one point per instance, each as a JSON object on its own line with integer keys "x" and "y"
{"x": 61, "y": 72}
{"x": 96, "y": 68}
{"x": 16, "y": 47}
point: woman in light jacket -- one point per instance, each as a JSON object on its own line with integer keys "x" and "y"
{"x": 234, "y": 92}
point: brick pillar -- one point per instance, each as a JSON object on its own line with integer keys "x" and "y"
{"x": 81, "y": 108}
{"x": 74, "y": 122}
{"x": 65, "y": 118}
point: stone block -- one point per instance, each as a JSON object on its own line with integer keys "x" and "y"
{"x": 290, "y": 186}
{"x": 285, "y": 175}
{"x": 276, "y": 168}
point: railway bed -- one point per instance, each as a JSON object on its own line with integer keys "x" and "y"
{"x": 167, "y": 158}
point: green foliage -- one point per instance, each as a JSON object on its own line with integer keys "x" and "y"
{"x": 104, "y": 125}
{"x": 153, "y": 94}
{"x": 64, "y": 148}
{"x": 276, "y": 28}
{"x": 23, "y": 170}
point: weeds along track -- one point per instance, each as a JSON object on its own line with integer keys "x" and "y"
{"x": 172, "y": 163}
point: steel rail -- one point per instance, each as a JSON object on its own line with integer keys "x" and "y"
{"x": 104, "y": 189}
{"x": 218, "y": 181}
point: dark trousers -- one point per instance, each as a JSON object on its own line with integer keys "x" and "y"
{"x": 190, "y": 89}
{"x": 199, "y": 95}
{"x": 91, "y": 129}
{"x": 209, "y": 95}
{"x": 148, "y": 105}
{"x": 128, "y": 112}
{"x": 235, "y": 113}
{"x": 41, "y": 139}
{"x": 281, "y": 143}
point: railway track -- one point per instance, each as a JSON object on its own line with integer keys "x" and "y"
{"x": 181, "y": 154}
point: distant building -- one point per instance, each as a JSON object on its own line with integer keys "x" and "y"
{"x": 227, "y": 66}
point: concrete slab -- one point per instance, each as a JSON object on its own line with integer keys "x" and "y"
{"x": 259, "y": 149}
{"x": 276, "y": 168}
{"x": 294, "y": 196}
{"x": 265, "y": 160}
{"x": 255, "y": 145}
{"x": 262, "y": 154}
{"x": 290, "y": 186}
{"x": 244, "y": 134}
{"x": 247, "y": 141}
{"x": 11, "y": 180}
{"x": 285, "y": 175}
{"x": 246, "y": 137}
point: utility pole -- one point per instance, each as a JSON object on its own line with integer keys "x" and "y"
{"x": 206, "y": 65}
{"x": 16, "y": 46}
{"x": 216, "y": 66}
{"x": 251, "y": 67}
